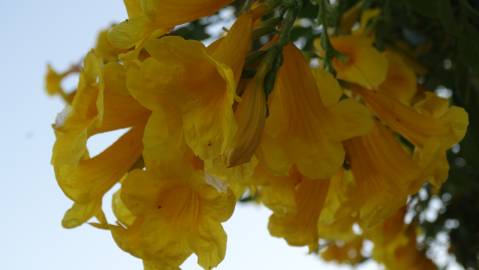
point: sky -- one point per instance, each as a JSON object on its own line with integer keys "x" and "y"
{"x": 32, "y": 34}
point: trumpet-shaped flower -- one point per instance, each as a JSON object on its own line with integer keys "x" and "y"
{"x": 431, "y": 125}
{"x": 95, "y": 108}
{"x": 301, "y": 129}
{"x": 383, "y": 174}
{"x": 174, "y": 217}
{"x": 296, "y": 202}
{"x": 199, "y": 82}
{"x": 380, "y": 166}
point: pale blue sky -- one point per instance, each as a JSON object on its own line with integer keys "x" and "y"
{"x": 33, "y": 33}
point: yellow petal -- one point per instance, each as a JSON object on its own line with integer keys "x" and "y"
{"x": 73, "y": 124}
{"x": 400, "y": 80}
{"x": 328, "y": 86}
{"x": 147, "y": 239}
{"x": 93, "y": 110}
{"x": 133, "y": 8}
{"x": 299, "y": 226}
{"x": 104, "y": 49}
{"x": 277, "y": 191}
{"x": 127, "y": 33}
{"x": 364, "y": 65}
{"x": 125, "y": 216}
{"x": 250, "y": 115}
{"x": 209, "y": 245}
{"x": 418, "y": 125}
{"x": 235, "y": 178}
{"x": 153, "y": 18}
{"x": 239, "y": 38}
{"x": 350, "y": 119}
{"x": 175, "y": 218}
{"x": 164, "y": 144}
{"x": 301, "y": 129}
{"x": 91, "y": 178}
{"x": 120, "y": 109}
{"x": 53, "y": 81}
{"x": 204, "y": 89}
{"x": 338, "y": 215}
{"x": 80, "y": 213}
{"x": 140, "y": 192}
{"x": 383, "y": 172}
{"x": 174, "y": 12}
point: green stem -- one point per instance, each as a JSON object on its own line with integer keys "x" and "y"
{"x": 266, "y": 27}
{"x": 274, "y": 57}
{"x": 325, "y": 41}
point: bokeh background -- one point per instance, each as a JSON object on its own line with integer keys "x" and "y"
{"x": 32, "y": 34}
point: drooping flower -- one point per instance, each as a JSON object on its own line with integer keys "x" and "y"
{"x": 307, "y": 122}
{"x": 383, "y": 174}
{"x": 381, "y": 166}
{"x": 95, "y": 108}
{"x": 296, "y": 202}
{"x": 200, "y": 82}
{"x": 174, "y": 218}
{"x": 431, "y": 125}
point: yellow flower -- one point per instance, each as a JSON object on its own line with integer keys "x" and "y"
{"x": 363, "y": 64}
{"x": 174, "y": 217}
{"x": 153, "y": 18}
{"x": 395, "y": 245}
{"x": 307, "y": 122}
{"x": 431, "y": 125}
{"x": 296, "y": 202}
{"x": 96, "y": 108}
{"x": 384, "y": 175}
{"x": 199, "y": 82}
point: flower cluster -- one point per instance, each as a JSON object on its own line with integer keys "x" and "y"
{"x": 326, "y": 152}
